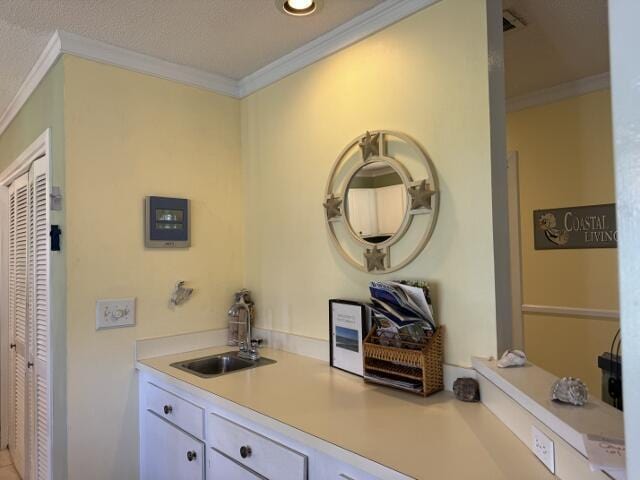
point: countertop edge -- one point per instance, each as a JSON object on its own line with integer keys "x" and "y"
{"x": 326, "y": 447}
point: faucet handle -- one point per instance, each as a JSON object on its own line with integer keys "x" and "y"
{"x": 256, "y": 342}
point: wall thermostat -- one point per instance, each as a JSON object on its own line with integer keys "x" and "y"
{"x": 166, "y": 222}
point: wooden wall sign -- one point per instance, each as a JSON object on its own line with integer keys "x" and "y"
{"x": 591, "y": 226}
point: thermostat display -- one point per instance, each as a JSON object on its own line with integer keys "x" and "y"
{"x": 166, "y": 222}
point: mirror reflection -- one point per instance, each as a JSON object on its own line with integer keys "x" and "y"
{"x": 376, "y": 201}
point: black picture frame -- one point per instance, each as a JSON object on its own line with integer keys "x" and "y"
{"x": 361, "y": 323}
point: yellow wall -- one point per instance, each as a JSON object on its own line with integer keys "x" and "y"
{"x": 419, "y": 76}
{"x": 566, "y": 159}
{"x": 45, "y": 110}
{"x": 127, "y": 136}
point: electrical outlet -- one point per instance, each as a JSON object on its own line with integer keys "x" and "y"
{"x": 115, "y": 313}
{"x": 542, "y": 447}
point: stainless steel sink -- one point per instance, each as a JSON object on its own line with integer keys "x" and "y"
{"x": 221, "y": 364}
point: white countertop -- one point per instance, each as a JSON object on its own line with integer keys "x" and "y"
{"x": 530, "y": 386}
{"x": 437, "y": 437}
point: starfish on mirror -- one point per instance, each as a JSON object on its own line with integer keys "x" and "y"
{"x": 375, "y": 259}
{"x": 421, "y": 196}
{"x": 332, "y": 205}
{"x": 370, "y": 146}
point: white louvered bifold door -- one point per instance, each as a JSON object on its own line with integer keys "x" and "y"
{"x": 18, "y": 317}
{"x": 39, "y": 248}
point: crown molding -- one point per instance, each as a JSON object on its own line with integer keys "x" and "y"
{"x": 559, "y": 92}
{"x": 365, "y": 24}
{"x": 356, "y": 29}
{"x": 45, "y": 61}
{"x": 138, "y": 62}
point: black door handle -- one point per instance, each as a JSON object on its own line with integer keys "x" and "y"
{"x": 13, "y": 345}
{"x": 191, "y": 456}
{"x": 29, "y": 364}
{"x": 168, "y": 409}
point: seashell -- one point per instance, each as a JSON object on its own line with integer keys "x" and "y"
{"x": 570, "y": 390}
{"x": 466, "y": 389}
{"x": 180, "y": 294}
{"x": 512, "y": 358}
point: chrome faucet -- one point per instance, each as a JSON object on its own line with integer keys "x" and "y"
{"x": 248, "y": 346}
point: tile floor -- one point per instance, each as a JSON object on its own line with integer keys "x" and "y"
{"x": 7, "y": 472}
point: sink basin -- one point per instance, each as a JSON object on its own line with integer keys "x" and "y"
{"x": 221, "y": 364}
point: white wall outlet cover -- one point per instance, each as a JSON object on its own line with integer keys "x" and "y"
{"x": 542, "y": 447}
{"x": 112, "y": 313}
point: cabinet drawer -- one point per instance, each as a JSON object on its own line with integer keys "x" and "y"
{"x": 178, "y": 411}
{"x": 168, "y": 453}
{"x": 266, "y": 457}
{"x": 220, "y": 467}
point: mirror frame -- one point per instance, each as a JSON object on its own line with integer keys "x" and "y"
{"x": 376, "y": 257}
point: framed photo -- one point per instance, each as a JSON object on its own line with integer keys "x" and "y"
{"x": 347, "y": 322}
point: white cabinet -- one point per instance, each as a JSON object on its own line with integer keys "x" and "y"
{"x": 220, "y": 467}
{"x": 391, "y": 202}
{"x": 377, "y": 211}
{"x": 168, "y": 453}
{"x": 362, "y": 211}
{"x": 176, "y": 444}
{"x": 184, "y": 414}
{"x": 255, "y": 451}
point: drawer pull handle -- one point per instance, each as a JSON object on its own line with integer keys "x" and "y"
{"x": 168, "y": 409}
{"x": 191, "y": 456}
{"x": 245, "y": 451}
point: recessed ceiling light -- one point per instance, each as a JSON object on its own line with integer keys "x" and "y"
{"x": 299, "y": 8}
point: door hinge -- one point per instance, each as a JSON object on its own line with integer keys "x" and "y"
{"x": 55, "y": 238}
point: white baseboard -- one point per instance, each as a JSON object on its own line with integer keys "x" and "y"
{"x": 288, "y": 342}
{"x": 185, "y": 342}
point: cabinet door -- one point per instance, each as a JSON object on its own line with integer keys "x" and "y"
{"x": 391, "y": 203}
{"x": 221, "y": 467}
{"x": 362, "y": 211}
{"x": 168, "y": 453}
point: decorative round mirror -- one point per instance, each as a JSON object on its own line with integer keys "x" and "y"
{"x": 378, "y": 216}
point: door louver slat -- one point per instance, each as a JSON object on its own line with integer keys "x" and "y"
{"x": 29, "y": 323}
{"x": 40, "y": 319}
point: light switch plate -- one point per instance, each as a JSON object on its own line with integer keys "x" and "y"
{"x": 542, "y": 447}
{"x": 112, "y": 313}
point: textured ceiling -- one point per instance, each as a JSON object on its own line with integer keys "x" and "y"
{"x": 228, "y": 37}
{"x": 564, "y": 40}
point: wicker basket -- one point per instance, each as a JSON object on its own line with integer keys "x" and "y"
{"x": 411, "y": 361}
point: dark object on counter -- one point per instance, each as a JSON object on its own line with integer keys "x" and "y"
{"x": 466, "y": 389}
{"x": 611, "y": 366}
